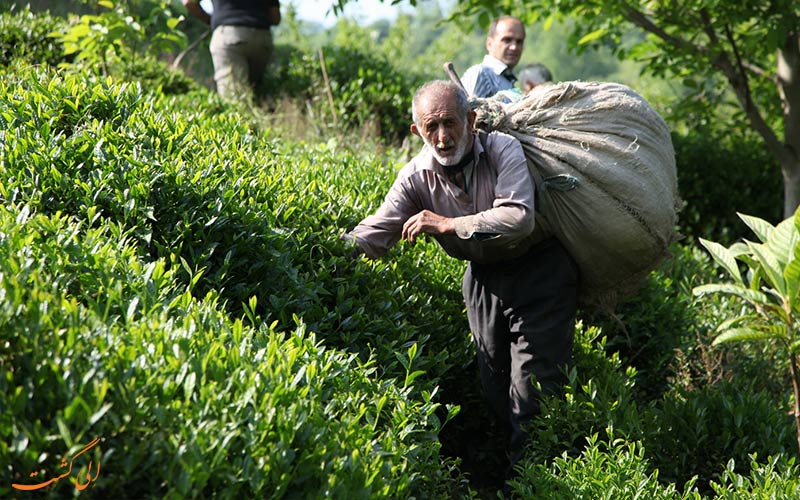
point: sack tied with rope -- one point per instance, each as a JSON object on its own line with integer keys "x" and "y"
{"x": 604, "y": 167}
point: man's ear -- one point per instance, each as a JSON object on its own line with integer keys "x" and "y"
{"x": 471, "y": 116}
{"x": 415, "y": 130}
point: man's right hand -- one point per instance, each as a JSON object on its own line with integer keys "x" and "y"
{"x": 429, "y": 223}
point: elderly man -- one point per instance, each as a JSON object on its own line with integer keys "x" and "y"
{"x": 504, "y": 45}
{"x": 472, "y": 192}
{"x": 241, "y": 42}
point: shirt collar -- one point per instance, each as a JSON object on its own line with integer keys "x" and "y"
{"x": 496, "y": 65}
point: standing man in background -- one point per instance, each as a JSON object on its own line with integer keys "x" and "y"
{"x": 504, "y": 45}
{"x": 241, "y": 42}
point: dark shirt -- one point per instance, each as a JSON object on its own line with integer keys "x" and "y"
{"x": 250, "y": 13}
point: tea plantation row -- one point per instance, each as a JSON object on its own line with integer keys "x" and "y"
{"x": 173, "y": 283}
{"x": 134, "y": 235}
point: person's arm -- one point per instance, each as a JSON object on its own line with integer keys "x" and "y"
{"x": 196, "y": 10}
{"x": 377, "y": 233}
{"x": 511, "y": 217}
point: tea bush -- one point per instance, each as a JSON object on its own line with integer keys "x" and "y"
{"x": 250, "y": 224}
{"x": 201, "y": 234}
{"x": 775, "y": 478}
{"x": 371, "y": 97}
{"x": 605, "y": 469}
{"x": 25, "y": 38}
{"x": 690, "y": 433}
{"x": 719, "y": 174}
{"x": 173, "y": 282}
{"x": 186, "y": 402}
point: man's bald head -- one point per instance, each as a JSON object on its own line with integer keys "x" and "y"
{"x": 439, "y": 90}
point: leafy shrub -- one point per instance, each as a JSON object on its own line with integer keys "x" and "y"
{"x": 249, "y": 233}
{"x": 719, "y": 175}
{"x": 649, "y": 326}
{"x": 776, "y": 478}
{"x": 598, "y": 396}
{"x": 25, "y": 37}
{"x": 156, "y": 76}
{"x": 119, "y": 33}
{"x": 251, "y": 224}
{"x": 689, "y": 434}
{"x": 186, "y": 402}
{"x": 367, "y": 91}
{"x": 613, "y": 469}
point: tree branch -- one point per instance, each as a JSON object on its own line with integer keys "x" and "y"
{"x": 716, "y": 55}
{"x": 737, "y": 77}
{"x": 640, "y": 19}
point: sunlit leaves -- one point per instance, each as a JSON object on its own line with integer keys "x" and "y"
{"x": 772, "y": 267}
{"x": 724, "y": 257}
{"x": 135, "y": 236}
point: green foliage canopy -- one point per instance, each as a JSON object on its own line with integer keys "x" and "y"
{"x": 717, "y": 48}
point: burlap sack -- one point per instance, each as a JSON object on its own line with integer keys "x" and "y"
{"x": 604, "y": 168}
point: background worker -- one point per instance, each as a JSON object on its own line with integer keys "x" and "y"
{"x": 533, "y": 75}
{"x": 241, "y": 42}
{"x": 504, "y": 44}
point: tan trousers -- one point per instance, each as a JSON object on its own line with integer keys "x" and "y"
{"x": 240, "y": 56}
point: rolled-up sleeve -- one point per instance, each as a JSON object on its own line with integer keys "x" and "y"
{"x": 511, "y": 216}
{"x": 380, "y": 231}
{"x": 494, "y": 220}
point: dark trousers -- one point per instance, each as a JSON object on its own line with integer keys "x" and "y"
{"x": 522, "y": 316}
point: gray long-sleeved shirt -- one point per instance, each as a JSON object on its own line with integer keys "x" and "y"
{"x": 494, "y": 220}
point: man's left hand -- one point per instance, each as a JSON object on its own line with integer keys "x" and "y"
{"x": 427, "y": 222}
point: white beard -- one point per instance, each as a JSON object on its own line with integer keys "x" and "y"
{"x": 458, "y": 154}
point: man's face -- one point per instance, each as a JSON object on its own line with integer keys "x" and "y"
{"x": 507, "y": 43}
{"x": 442, "y": 128}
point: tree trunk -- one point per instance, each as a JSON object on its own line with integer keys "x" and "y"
{"x": 796, "y": 390}
{"x": 788, "y": 73}
{"x": 791, "y": 186}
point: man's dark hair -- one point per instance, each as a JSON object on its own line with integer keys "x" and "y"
{"x": 493, "y": 25}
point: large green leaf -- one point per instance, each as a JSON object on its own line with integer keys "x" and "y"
{"x": 759, "y": 226}
{"x": 731, "y": 289}
{"x": 783, "y": 240}
{"x": 745, "y": 333}
{"x": 739, "y": 249}
{"x": 733, "y": 322}
{"x": 724, "y": 257}
{"x": 791, "y": 273}
{"x": 770, "y": 265}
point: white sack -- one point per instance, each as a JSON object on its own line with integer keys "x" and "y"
{"x": 604, "y": 166}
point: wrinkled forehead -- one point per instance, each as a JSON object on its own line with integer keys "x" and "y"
{"x": 439, "y": 104}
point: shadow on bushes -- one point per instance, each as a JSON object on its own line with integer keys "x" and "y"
{"x": 719, "y": 175}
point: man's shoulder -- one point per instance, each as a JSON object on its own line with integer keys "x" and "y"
{"x": 495, "y": 138}
{"x": 477, "y": 69}
{"x": 423, "y": 160}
